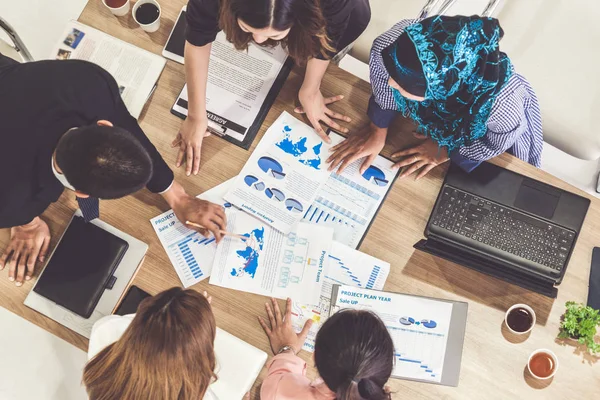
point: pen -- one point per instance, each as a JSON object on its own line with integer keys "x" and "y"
{"x": 244, "y": 238}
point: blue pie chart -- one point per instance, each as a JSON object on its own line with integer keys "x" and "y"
{"x": 294, "y": 206}
{"x": 250, "y": 180}
{"x": 429, "y": 323}
{"x": 375, "y": 176}
{"x": 271, "y": 166}
{"x": 275, "y": 194}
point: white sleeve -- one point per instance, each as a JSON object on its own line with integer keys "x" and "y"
{"x": 106, "y": 331}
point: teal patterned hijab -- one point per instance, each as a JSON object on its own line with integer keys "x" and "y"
{"x": 464, "y": 70}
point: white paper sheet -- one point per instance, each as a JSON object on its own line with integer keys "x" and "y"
{"x": 270, "y": 263}
{"x": 418, "y": 326}
{"x": 349, "y": 202}
{"x": 238, "y": 84}
{"x": 190, "y": 253}
{"x": 135, "y": 70}
{"x": 283, "y": 175}
{"x": 346, "y": 267}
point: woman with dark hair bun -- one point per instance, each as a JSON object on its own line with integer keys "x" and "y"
{"x": 312, "y": 31}
{"x": 354, "y": 356}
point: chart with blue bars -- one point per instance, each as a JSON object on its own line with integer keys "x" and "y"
{"x": 193, "y": 256}
{"x": 354, "y": 277}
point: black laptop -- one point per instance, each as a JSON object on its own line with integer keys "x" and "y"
{"x": 506, "y": 225}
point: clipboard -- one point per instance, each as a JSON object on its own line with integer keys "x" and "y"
{"x": 455, "y": 337}
{"x": 217, "y": 124}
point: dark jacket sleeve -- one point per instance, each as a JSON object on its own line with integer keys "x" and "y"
{"x": 380, "y": 117}
{"x": 202, "y": 19}
{"x": 346, "y": 21}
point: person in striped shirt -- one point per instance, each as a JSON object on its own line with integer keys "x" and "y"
{"x": 448, "y": 75}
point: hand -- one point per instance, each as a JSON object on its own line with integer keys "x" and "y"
{"x": 367, "y": 143}
{"x": 28, "y": 244}
{"x": 281, "y": 332}
{"x": 314, "y": 105}
{"x": 189, "y": 139}
{"x": 209, "y": 215}
{"x": 425, "y": 157}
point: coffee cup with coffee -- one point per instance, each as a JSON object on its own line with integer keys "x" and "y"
{"x": 117, "y": 7}
{"x": 147, "y": 14}
{"x": 520, "y": 319}
{"x": 542, "y": 364}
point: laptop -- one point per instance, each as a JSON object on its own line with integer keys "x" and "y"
{"x": 506, "y": 225}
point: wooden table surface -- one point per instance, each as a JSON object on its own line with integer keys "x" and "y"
{"x": 493, "y": 361}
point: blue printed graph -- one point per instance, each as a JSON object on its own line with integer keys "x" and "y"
{"x": 250, "y": 254}
{"x": 404, "y": 359}
{"x": 427, "y": 323}
{"x": 294, "y": 206}
{"x": 254, "y": 182}
{"x": 375, "y": 176}
{"x": 298, "y": 148}
{"x": 275, "y": 194}
{"x": 355, "y": 279}
{"x": 271, "y": 166}
{"x": 184, "y": 251}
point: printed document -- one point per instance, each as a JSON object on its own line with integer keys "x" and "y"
{"x": 346, "y": 267}
{"x": 135, "y": 70}
{"x": 419, "y": 328}
{"x": 349, "y": 202}
{"x": 271, "y": 263}
{"x": 190, "y": 253}
{"x": 238, "y": 84}
{"x": 283, "y": 175}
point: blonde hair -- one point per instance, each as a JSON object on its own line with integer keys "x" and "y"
{"x": 167, "y": 353}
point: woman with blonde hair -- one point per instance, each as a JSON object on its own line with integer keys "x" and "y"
{"x": 164, "y": 352}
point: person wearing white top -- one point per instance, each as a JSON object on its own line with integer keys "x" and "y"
{"x": 164, "y": 352}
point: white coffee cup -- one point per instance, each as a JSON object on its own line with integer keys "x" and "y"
{"x": 526, "y": 307}
{"x": 119, "y": 11}
{"x": 152, "y": 27}
{"x": 554, "y": 361}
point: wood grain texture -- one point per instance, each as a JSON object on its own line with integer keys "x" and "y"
{"x": 493, "y": 363}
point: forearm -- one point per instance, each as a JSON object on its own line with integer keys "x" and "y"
{"x": 379, "y": 132}
{"x": 315, "y": 70}
{"x": 196, "y": 73}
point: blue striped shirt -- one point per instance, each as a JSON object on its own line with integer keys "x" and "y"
{"x": 514, "y": 124}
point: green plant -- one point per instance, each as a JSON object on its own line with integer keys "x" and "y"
{"x": 580, "y": 322}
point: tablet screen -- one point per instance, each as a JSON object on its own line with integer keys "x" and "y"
{"x": 176, "y": 43}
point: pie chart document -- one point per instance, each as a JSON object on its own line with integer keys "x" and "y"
{"x": 270, "y": 263}
{"x": 349, "y": 202}
{"x": 283, "y": 175}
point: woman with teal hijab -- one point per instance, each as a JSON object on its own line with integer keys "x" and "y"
{"x": 447, "y": 75}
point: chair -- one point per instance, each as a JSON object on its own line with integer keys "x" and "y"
{"x": 18, "y": 50}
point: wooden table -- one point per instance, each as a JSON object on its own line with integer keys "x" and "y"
{"x": 493, "y": 362}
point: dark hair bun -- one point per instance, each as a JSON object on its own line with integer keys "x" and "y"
{"x": 369, "y": 390}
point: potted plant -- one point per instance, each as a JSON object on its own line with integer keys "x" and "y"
{"x": 579, "y": 323}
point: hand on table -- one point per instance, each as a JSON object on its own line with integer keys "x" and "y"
{"x": 424, "y": 157}
{"x": 366, "y": 143}
{"x": 314, "y": 105}
{"x": 189, "y": 139}
{"x": 202, "y": 212}
{"x": 281, "y": 333}
{"x": 28, "y": 244}
{"x": 208, "y": 297}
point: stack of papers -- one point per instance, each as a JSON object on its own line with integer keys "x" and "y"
{"x": 302, "y": 225}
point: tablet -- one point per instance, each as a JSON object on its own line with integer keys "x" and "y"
{"x": 174, "y": 49}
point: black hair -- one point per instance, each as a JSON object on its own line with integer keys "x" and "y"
{"x": 104, "y": 162}
{"x": 407, "y": 71}
{"x": 354, "y": 354}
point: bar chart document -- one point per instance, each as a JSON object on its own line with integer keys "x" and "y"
{"x": 419, "y": 326}
{"x": 346, "y": 267}
{"x": 283, "y": 175}
{"x": 350, "y": 201}
{"x": 190, "y": 253}
{"x": 270, "y": 263}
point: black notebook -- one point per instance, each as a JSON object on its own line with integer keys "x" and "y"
{"x": 81, "y": 267}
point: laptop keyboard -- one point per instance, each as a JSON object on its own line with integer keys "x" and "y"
{"x": 503, "y": 228}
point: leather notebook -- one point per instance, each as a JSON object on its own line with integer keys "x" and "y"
{"x": 81, "y": 267}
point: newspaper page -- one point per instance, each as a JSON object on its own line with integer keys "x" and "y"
{"x": 135, "y": 70}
